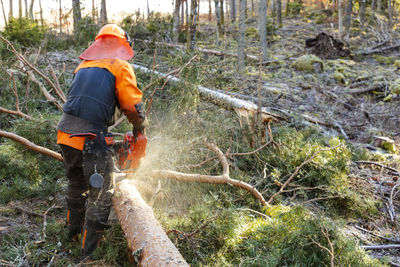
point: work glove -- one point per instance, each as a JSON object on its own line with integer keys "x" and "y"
{"x": 139, "y": 128}
{"x": 139, "y": 121}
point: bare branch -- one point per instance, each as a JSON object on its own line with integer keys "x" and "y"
{"x": 219, "y": 179}
{"x": 31, "y": 146}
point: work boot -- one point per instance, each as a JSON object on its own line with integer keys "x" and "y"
{"x": 75, "y": 218}
{"x": 91, "y": 236}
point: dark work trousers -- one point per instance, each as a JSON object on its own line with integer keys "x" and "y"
{"x": 98, "y": 199}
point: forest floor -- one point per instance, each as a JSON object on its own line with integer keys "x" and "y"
{"x": 324, "y": 95}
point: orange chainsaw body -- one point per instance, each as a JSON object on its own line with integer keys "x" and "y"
{"x": 131, "y": 151}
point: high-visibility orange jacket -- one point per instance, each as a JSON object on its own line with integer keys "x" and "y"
{"x": 98, "y": 87}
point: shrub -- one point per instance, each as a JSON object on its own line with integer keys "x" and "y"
{"x": 25, "y": 31}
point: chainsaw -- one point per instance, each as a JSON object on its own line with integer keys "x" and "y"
{"x": 128, "y": 153}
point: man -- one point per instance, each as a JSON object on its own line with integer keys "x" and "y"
{"x": 103, "y": 81}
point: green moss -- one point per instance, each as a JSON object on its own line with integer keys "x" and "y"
{"x": 306, "y": 63}
{"x": 339, "y": 77}
{"x": 395, "y": 87}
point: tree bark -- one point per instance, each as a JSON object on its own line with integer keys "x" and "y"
{"x": 143, "y": 232}
{"x": 182, "y": 14}
{"x": 218, "y": 30}
{"x": 60, "y": 17}
{"x": 26, "y": 8}
{"x": 340, "y": 18}
{"x": 232, "y": 10}
{"x": 279, "y": 12}
{"x": 349, "y": 11}
{"x": 93, "y": 12}
{"x": 379, "y": 5}
{"x": 221, "y": 12}
{"x": 41, "y": 13}
{"x": 103, "y": 13}
{"x": 175, "y": 25}
{"x": 76, "y": 10}
{"x": 10, "y": 12}
{"x": 262, "y": 24}
{"x": 193, "y": 24}
{"x": 362, "y": 12}
{"x": 31, "y": 10}
{"x": 19, "y": 8}
{"x": 209, "y": 10}
{"x": 390, "y": 13}
{"x": 4, "y": 13}
{"x": 242, "y": 29}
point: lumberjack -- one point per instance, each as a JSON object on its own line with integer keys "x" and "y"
{"x": 103, "y": 81}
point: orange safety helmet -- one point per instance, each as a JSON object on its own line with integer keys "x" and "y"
{"x": 110, "y": 42}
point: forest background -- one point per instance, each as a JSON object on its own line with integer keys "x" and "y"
{"x": 317, "y": 137}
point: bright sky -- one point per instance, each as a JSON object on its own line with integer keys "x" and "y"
{"x": 116, "y": 9}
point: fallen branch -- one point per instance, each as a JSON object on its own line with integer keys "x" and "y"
{"x": 378, "y": 50}
{"x": 390, "y": 201}
{"x": 222, "y": 99}
{"x": 373, "y": 87}
{"x": 372, "y": 233}
{"x": 297, "y": 170}
{"x": 378, "y": 164}
{"x": 24, "y": 210}
{"x": 375, "y": 247}
{"x": 31, "y": 146}
{"x": 211, "y": 179}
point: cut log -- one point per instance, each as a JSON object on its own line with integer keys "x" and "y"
{"x": 143, "y": 232}
{"x": 221, "y": 99}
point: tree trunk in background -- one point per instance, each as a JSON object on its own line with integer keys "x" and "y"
{"x": 218, "y": 19}
{"x": 272, "y": 8}
{"x": 41, "y": 13}
{"x": 103, "y": 13}
{"x": 232, "y": 10}
{"x": 31, "y": 10}
{"x": 340, "y": 18}
{"x": 175, "y": 25}
{"x": 93, "y": 12}
{"x": 4, "y": 13}
{"x": 390, "y": 12}
{"x": 362, "y": 12}
{"x": 193, "y": 21}
{"x": 10, "y": 13}
{"x": 187, "y": 13}
{"x": 242, "y": 17}
{"x": 279, "y": 12}
{"x": 198, "y": 11}
{"x": 252, "y": 8}
{"x": 209, "y": 10}
{"x": 26, "y": 8}
{"x": 76, "y": 11}
{"x": 262, "y": 28}
{"x": 60, "y": 17}
{"x": 182, "y": 14}
{"x": 20, "y": 9}
{"x": 373, "y": 4}
{"x": 221, "y": 13}
{"x": 347, "y": 24}
{"x": 379, "y": 5}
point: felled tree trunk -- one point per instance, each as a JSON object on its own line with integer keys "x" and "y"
{"x": 143, "y": 232}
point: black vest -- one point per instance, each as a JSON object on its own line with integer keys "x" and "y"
{"x": 92, "y": 96}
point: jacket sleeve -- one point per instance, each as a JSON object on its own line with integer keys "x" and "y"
{"x": 129, "y": 96}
